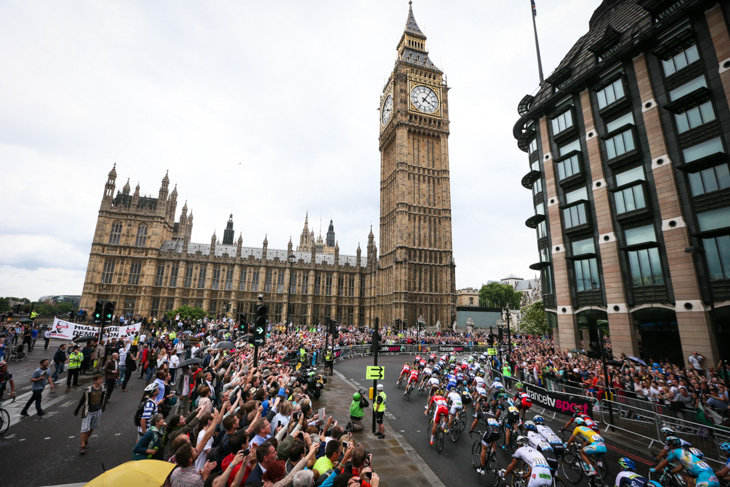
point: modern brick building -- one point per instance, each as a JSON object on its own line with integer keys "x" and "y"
{"x": 628, "y": 167}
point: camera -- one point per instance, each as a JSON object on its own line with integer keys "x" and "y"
{"x": 246, "y": 452}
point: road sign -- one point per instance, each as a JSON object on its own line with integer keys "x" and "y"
{"x": 492, "y": 351}
{"x": 259, "y": 330}
{"x": 259, "y": 341}
{"x": 375, "y": 373}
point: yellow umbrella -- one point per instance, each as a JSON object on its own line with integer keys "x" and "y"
{"x": 140, "y": 473}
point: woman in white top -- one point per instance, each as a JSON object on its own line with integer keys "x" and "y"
{"x": 283, "y": 416}
{"x": 204, "y": 399}
{"x": 205, "y": 421}
{"x": 162, "y": 358}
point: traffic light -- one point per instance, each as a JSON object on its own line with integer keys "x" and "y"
{"x": 405, "y": 324}
{"x": 97, "y": 312}
{"x": 26, "y": 310}
{"x": 259, "y": 330}
{"x": 499, "y": 334}
{"x": 108, "y": 313}
{"x": 595, "y": 351}
{"x": 334, "y": 329}
{"x": 242, "y": 323}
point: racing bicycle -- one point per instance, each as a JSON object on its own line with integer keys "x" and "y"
{"x": 573, "y": 468}
{"x": 4, "y": 418}
{"x": 491, "y": 462}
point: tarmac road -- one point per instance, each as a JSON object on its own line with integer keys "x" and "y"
{"x": 453, "y": 465}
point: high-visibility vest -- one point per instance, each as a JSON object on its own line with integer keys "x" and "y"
{"x": 75, "y": 359}
{"x": 506, "y": 371}
{"x": 379, "y": 408}
{"x": 302, "y": 355}
{"x": 328, "y": 357}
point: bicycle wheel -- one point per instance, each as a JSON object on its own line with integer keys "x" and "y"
{"x": 492, "y": 469}
{"x": 455, "y": 429}
{"x": 408, "y": 393}
{"x": 501, "y": 439}
{"x": 462, "y": 420}
{"x": 558, "y": 482}
{"x": 571, "y": 467}
{"x": 440, "y": 439}
{"x": 602, "y": 470}
{"x": 4, "y": 421}
{"x": 476, "y": 454}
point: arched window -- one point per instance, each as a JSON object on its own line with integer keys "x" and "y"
{"x": 141, "y": 235}
{"x": 116, "y": 233}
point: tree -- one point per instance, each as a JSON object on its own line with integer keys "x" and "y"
{"x": 187, "y": 312}
{"x": 498, "y": 295}
{"x": 533, "y": 320}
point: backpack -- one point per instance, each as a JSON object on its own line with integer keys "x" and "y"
{"x": 138, "y": 413}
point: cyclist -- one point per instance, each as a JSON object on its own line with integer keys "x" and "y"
{"x": 724, "y": 472}
{"x": 628, "y": 478}
{"x": 404, "y": 373}
{"x": 455, "y": 405}
{"x": 412, "y": 379}
{"x": 5, "y": 379}
{"x": 548, "y": 433}
{"x": 578, "y": 413}
{"x": 427, "y": 370}
{"x": 701, "y": 474}
{"x": 496, "y": 389}
{"x": 432, "y": 359}
{"x": 537, "y": 471}
{"x": 451, "y": 384}
{"x": 593, "y": 447}
{"x": 480, "y": 397}
{"x": 512, "y": 416}
{"x": 441, "y": 410}
{"x": 416, "y": 360}
{"x": 491, "y": 433}
{"x": 666, "y": 433}
{"x": 433, "y": 386}
{"x": 522, "y": 401}
{"x": 540, "y": 444}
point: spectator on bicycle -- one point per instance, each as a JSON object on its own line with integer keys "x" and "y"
{"x": 537, "y": 469}
{"x": 593, "y": 448}
{"x": 491, "y": 433}
{"x": 628, "y": 478}
{"x": 697, "y": 469}
{"x": 724, "y": 472}
{"x": 441, "y": 411}
{"x": 5, "y": 378}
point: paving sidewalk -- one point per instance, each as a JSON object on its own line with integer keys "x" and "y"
{"x": 393, "y": 458}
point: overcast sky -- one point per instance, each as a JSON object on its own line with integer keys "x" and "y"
{"x": 260, "y": 109}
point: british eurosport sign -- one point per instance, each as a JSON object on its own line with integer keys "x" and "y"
{"x": 560, "y": 402}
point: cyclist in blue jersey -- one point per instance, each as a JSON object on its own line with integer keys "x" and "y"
{"x": 628, "y": 478}
{"x": 701, "y": 474}
{"x": 724, "y": 472}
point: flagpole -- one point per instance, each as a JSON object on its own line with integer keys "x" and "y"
{"x": 537, "y": 43}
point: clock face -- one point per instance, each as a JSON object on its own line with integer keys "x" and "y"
{"x": 387, "y": 110}
{"x": 424, "y": 99}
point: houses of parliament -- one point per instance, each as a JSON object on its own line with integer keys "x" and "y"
{"x": 142, "y": 256}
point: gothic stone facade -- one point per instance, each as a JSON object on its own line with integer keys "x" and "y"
{"x": 143, "y": 259}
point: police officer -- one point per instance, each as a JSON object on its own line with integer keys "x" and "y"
{"x": 379, "y": 410}
{"x": 328, "y": 362}
{"x": 74, "y": 367}
{"x": 302, "y": 355}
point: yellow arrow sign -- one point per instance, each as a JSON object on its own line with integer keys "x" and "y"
{"x": 375, "y": 373}
{"x": 492, "y": 351}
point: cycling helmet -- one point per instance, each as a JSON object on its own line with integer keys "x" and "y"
{"x": 725, "y": 448}
{"x": 522, "y": 440}
{"x": 151, "y": 387}
{"x": 497, "y": 379}
{"x": 530, "y": 426}
{"x": 673, "y": 442}
{"x": 627, "y": 464}
{"x": 579, "y": 422}
{"x": 667, "y": 431}
{"x": 538, "y": 420}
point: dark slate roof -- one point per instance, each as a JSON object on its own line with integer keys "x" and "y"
{"x": 411, "y": 25}
{"x": 126, "y": 200}
{"x": 418, "y": 58}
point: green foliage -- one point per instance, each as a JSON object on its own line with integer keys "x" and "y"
{"x": 4, "y": 305}
{"x": 533, "y": 319}
{"x": 187, "y": 312}
{"x": 498, "y": 295}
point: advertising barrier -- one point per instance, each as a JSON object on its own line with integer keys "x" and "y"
{"x": 558, "y": 401}
{"x": 450, "y": 348}
{"x": 390, "y": 348}
{"x": 67, "y": 330}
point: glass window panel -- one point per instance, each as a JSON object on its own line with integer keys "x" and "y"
{"x": 540, "y": 209}
{"x": 712, "y": 220}
{"x": 682, "y": 122}
{"x": 578, "y": 194}
{"x": 645, "y": 267}
{"x": 693, "y": 117}
{"x": 620, "y": 122}
{"x": 708, "y": 180}
{"x": 688, "y": 87}
{"x": 586, "y": 246}
{"x": 635, "y": 269}
{"x": 712, "y": 253}
{"x": 573, "y": 146}
{"x": 723, "y": 247}
{"x": 611, "y": 93}
{"x": 634, "y": 174}
{"x": 638, "y": 193}
{"x": 656, "y": 266}
{"x": 640, "y": 235}
{"x": 703, "y": 149}
{"x": 708, "y": 114}
{"x": 619, "y": 200}
{"x": 723, "y": 176}
{"x": 692, "y": 54}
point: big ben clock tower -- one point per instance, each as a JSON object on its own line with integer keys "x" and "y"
{"x": 416, "y": 266}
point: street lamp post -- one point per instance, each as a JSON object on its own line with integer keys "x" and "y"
{"x": 713, "y": 318}
{"x": 291, "y": 260}
{"x": 419, "y": 323}
{"x": 509, "y": 338}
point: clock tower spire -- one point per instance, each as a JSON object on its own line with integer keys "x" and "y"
{"x": 416, "y": 271}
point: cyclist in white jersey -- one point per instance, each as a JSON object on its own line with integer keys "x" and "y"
{"x": 454, "y": 400}
{"x": 548, "y": 433}
{"x": 427, "y": 371}
{"x": 537, "y": 471}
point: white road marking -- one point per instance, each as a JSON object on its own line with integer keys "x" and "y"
{"x": 71, "y": 436}
{"x": 22, "y": 439}
{"x": 67, "y": 404}
{"x": 117, "y": 434}
{"x": 47, "y": 438}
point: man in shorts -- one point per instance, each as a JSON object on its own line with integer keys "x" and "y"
{"x": 91, "y": 405}
{"x": 455, "y": 405}
{"x": 441, "y": 410}
{"x": 491, "y": 433}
